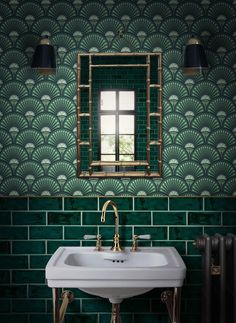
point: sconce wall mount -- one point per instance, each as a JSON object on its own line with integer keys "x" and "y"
{"x": 195, "y": 60}
{"x": 44, "y": 58}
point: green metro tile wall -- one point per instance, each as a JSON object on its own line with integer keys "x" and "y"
{"x": 38, "y": 147}
{"x": 38, "y": 114}
{"x": 28, "y": 237}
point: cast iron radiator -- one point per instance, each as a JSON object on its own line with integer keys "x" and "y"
{"x": 218, "y": 278}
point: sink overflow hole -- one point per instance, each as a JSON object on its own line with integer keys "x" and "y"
{"x": 118, "y": 261}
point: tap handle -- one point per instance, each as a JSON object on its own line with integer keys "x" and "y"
{"x": 98, "y": 240}
{"x": 144, "y": 236}
{"x": 90, "y": 236}
{"x": 135, "y": 240}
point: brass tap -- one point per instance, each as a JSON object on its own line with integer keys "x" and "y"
{"x": 116, "y": 246}
{"x": 135, "y": 241}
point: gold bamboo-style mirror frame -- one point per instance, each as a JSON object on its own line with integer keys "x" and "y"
{"x": 87, "y": 116}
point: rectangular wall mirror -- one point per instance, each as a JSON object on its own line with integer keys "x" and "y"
{"x": 119, "y": 115}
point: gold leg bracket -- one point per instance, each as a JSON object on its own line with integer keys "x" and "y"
{"x": 115, "y": 315}
{"x": 60, "y": 311}
{"x": 172, "y": 299}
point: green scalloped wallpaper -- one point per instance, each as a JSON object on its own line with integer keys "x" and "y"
{"x": 38, "y": 114}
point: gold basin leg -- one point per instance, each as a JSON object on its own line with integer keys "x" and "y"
{"x": 115, "y": 315}
{"x": 56, "y": 305}
{"x": 172, "y": 299}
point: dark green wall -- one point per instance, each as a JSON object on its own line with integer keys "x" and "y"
{"x": 38, "y": 147}
{"x": 38, "y": 114}
{"x": 33, "y": 228}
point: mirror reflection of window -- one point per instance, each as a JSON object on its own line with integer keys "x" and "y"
{"x": 108, "y": 100}
{"x": 126, "y": 100}
{"x": 117, "y": 127}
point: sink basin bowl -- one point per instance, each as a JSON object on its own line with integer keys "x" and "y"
{"x": 115, "y": 275}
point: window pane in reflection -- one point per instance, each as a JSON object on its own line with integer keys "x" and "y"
{"x": 126, "y": 144}
{"x": 108, "y": 124}
{"x": 126, "y": 124}
{"x": 108, "y": 144}
{"x": 126, "y": 158}
{"x": 108, "y": 100}
{"x": 108, "y": 157}
{"x": 126, "y": 100}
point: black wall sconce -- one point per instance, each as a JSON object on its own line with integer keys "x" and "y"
{"x": 194, "y": 57}
{"x": 44, "y": 58}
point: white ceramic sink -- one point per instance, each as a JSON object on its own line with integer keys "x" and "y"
{"x": 115, "y": 275}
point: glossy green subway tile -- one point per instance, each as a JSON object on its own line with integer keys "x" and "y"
{"x": 39, "y": 318}
{"x": 13, "y": 291}
{"x": 151, "y": 318}
{"x": 29, "y": 218}
{"x": 4, "y": 276}
{"x": 81, "y": 318}
{"x": 61, "y": 218}
{"x": 157, "y": 306}
{"x": 74, "y": 307}
{"x": 81, "y": 203}
{"x": 220, "y": 230}
{"x": 52, "y": 246}
{"x": 150, "y": 203}
{"x": 191, "y": 291}
{"x": 45, "y": 232}
{"x": 125, "y": 318}
{"x": 192, "y": 262}
{"x": 13, "y": 233}
{"x": 28, "y": 276}
{"x": 204, "y": 218}
{"x": 123, "y": 203}
{"x": 28, "y": 306}
{"x": 191, "y": 318}
{"x": 192, "y": 306}
{"x": 229, "y": 218}
{"x": 5, "y": 306}
{"x": 13, "y": 262}
{"x": 141, "y": 243}
{"x": 135, "y": 218}
{"x": 13, "y": 318}
{"x": 11, "y": 203}
{"x": 107, "y": 233}
{"x": 45, "y": 203}
{"x": 80, "y": 294}
{"x": 39, "y": 262}
{"x": 92, "y": 243}
{"x": 193, "y": 277}
{"x": 169, "y": 218}
{"x": 96, "y": 305}
{"x": 5, "y": 247}
{"x": 220, "y": 204}
{"x": 136, "y": 305}
{"x": 157, "y": 233}
{"x": 192, "y": 249}
{"x": 179, "y": 245}
{"x": 78, "y": 232}
{"x": 40, "y": 291}
{"x": 185, "y": 233}
{"x": 94, "y": 218}
{"x": 5, "y": 218}
{"x": 186, "y": 203}
{"x": 125, "y": 218}
{"x": 154, "y": 293}
{"x": 28, "y": 247}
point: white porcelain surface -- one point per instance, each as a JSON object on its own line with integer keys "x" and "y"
{"x": 115, "y": 275}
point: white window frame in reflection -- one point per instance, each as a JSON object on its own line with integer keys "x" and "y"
{"x": 124, "y": 124}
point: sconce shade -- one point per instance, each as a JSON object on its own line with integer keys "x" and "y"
{"x": 44, "y": 58}
{"x": 194, "y": 57}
